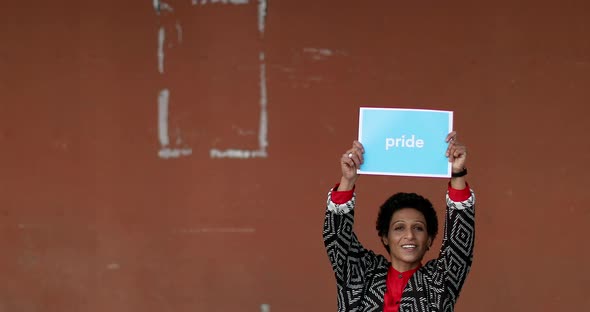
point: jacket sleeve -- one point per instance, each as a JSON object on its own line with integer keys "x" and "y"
{"x": 348, "y": 257}
{"x": 456, "y": 254}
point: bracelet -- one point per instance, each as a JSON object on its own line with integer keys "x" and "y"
{"x": 459, "y": 174}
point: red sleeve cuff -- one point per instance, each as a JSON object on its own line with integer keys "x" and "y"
{"x": 341, "y": 197}
{"x": 459, "y": 195}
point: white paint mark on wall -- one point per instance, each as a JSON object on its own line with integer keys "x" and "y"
{"x": 163, "y": 99}
{"x": 265, "y": 307}
{"x": 161, "y": 40}
{"x": 262, "y": 127}
{"x": 262, "y": 7}
{"x": 236, "y": 153}
{"x": 179, "y": 32}
{"x": 319, "y": 54}
{"x": 165, "y": 7}
{"x": 284, "y": 68}
{"x": 243, "y": 132}
{"x": 165, "y": 151}
{"x": 160, "y": 6}
{"x": 263, "y": 130}
{"x": 204, "y": 2}
{"x": 323, "y": 52}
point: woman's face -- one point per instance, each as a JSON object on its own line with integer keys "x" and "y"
{"x": 407, "y": 239}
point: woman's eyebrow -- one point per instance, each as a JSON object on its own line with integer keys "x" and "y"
{"x": 404, "y": 221}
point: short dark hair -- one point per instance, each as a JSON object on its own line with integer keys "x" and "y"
{"x": 400, "y": 201}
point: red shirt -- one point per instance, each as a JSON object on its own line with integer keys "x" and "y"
{"x": 396, "y": 281}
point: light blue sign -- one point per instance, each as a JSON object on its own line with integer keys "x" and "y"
{"x": 406, "y": 142}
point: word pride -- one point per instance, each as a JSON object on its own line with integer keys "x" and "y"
{"x": 410, "y": 142}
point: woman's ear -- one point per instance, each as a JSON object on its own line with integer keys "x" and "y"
{"x": 429, "y": 243}
{"x": 385, "y": 240}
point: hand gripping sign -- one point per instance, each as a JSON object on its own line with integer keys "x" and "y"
{"x": 405, "y": 142}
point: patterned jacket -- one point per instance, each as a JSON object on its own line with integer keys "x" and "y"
{"x": 361, "y": 274}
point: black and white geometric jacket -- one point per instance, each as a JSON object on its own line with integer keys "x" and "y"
{"x": 361, "y": 274}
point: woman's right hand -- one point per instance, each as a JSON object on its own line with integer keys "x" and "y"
{"x": 350, "y": 161}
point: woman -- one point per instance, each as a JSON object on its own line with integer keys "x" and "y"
{"x": 407, "y": 225}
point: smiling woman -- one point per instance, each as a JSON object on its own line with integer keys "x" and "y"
{"x": 407, "y": 225}
{"x": 404, "y": 231}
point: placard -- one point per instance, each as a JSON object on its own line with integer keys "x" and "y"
{"x": 405, "y": 142}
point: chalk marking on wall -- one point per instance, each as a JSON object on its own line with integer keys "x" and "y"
{"x": 160, "y": 6}
{"x": 165, "y": 151}
{"x": 318, "y": 53}
{"x": 262, "y": 127}
{"x": 161, "y": 40}
{"x": 263, "y": 131}
{"x": 262, "y": 10}
{"x": 265, "y": 307}
{"x": 263, "y": 122}
{"x": 243, "y": 132}
{"x": 204, "y": 2}
{"x": 323, "y": 52}
{"x": 178, "y": 32}
{"x": 284, "y": 68}
{"x": 163, "y": 98}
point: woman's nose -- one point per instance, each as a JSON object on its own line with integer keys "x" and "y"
{"x": 410, "y": 234}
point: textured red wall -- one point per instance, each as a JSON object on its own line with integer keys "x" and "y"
{"x": 94, "y": 217}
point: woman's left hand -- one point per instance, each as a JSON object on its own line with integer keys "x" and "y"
{"x": 456, "y": 152}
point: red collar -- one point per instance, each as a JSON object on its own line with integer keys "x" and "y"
{"x": 396, "y": 282}
{"x": 406, "y": 273}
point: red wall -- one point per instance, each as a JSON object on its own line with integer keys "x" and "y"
{"x": 93, "y": 218}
